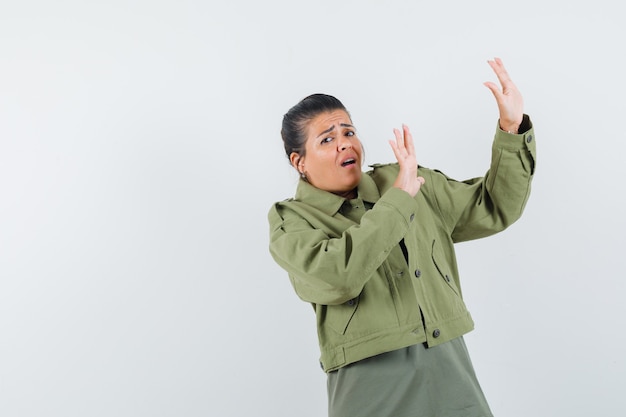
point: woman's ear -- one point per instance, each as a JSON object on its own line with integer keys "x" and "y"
{"x": 297, "y": 162}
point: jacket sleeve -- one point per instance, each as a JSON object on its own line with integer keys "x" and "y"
{"x": 483, "y": 206}
{"x": 332, "y": 270}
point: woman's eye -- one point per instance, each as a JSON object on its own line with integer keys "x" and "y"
{"x": 349, "y": 133}
{"x": 326, "y": 140}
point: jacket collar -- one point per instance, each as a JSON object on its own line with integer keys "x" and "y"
{"x": 330, "y": 203}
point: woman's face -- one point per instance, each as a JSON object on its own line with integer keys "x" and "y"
{"x": 333, "y": 157}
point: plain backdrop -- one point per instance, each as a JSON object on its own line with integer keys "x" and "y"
{"x": 140, "y": 152}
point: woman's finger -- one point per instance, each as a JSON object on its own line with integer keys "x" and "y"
{"x": 507, "y": 85}
{"x": 500, "y": 71}
{"x": 408, "y": 140}
{"x": 399, "y": 139}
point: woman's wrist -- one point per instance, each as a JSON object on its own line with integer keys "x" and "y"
{"x": 517, "y": 128}
{"x": 510, "y": 127}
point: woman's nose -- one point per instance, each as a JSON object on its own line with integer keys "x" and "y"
{"x": 344, "y": 144}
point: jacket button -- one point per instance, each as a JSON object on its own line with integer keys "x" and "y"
{"x": 418, "y": 273}
{"x": 351, "y": 302}
{"x": 447, "y": 277}
{"x": 412, "y": 217}
{"x": 436, "y": 333}
{"x": 529, "y": 139}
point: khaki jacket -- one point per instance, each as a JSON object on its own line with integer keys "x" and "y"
{"x": 380, "y": 270}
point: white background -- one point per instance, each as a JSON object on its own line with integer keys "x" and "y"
{"x": 140, "y": 152}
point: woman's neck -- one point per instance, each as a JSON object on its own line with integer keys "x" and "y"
{"x": 348, "y": 194}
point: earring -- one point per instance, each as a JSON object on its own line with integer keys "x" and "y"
{"x": 302, "y": 173}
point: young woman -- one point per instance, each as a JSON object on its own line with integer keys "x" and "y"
{"x": 374, "y": 254}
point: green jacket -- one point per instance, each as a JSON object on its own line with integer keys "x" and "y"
{"x": 380, "y": 270}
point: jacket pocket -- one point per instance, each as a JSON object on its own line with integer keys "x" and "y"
{"x": 444, "y": 269}
{"x": 338, "y": 317}
{"x": 374, "y": 310}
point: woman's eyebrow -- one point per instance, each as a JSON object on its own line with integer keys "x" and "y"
{"x": 330, "y": 129}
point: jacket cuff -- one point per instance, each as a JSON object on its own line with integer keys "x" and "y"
{"x": 525, "y": 139}
{"x": 401, "y": 201}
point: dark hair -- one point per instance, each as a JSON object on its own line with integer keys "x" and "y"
{"x": 296, "y": 119}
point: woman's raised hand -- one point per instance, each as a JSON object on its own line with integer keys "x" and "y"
{"x": 509, "y": 99}
{"x": 404, "y": 151}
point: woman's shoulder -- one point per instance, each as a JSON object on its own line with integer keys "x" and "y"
{"x": 383, "y": 169}
{"x": 379, "y": 166}
{"x": 392, "y": 169}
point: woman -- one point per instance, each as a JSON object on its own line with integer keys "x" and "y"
{"x": 373, "y": 253}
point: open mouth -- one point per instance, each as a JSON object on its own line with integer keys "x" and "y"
{"x": 348, "y": 161}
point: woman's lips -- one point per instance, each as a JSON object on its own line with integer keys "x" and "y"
{"x": 348, "y": 161}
